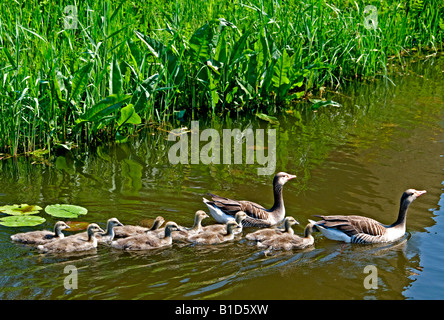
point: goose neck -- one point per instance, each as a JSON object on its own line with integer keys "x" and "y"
{"x": 401, "y": 221}
{"x": 278, "y": 207}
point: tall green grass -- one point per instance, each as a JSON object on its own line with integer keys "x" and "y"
{"x": 127, "y": 64}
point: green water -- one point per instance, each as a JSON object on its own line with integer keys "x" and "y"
{"x": 355, "y": 159}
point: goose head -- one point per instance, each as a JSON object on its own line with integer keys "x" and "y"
{"x": 171, "y": 226}
{"x": 93, "y": 228}
{"x": 58, "y": 227}
{"x": 113, "y": 222}
{"x": 411, "y": 194}
{"x": 290, "y": 221}
{"x": 231, "y": 225}
{"x": 200, "y": 215}
{"x": 239, "y": 216}
{"x": 282, "y": 178}
{"x": 159, "y": 221}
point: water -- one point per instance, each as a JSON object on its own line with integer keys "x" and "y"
{"x": 357, "y": 159}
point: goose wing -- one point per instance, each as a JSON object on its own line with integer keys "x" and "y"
{"x": 352, "y": 225}
{"x": 231, "y": 207}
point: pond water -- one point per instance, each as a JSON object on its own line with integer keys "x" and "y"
{"x": 355, "y": 159}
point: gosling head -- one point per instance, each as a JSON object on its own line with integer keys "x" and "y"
{"x": 158, "y": 222}
{"x": 231, "y": 225}
{"x": 114, "y": 222}
{"x": 200, "y": 214}
{"x": 61, "y": 225}
{"x": 290, "y": 221}
{"x": 93, "y": 228}
{"x": 240, "y": 215}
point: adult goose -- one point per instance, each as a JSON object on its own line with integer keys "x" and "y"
{"x": 41, "y": 236}
{"x": 146, "y": 241}
{"x": 221, "y": 228}
{"x": 358, "y": 229}
{"x": 215, "y": 237}
{"x": 224, "y": 209}
{"x": 129, "y": 230}
{"x": 288, "y": 241}
{"x": 73, "y": 243}
{"x": 268, "y": 233}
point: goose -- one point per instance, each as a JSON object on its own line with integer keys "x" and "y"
{"x": 184, "y": 233}
{"x": 224, "y": 209}
{"x": 359, "y": 229}
{"x": 215, "y": 237}
{"x": 288, "y": 241}
{"x": 105, "y": 237}
{"x": 146, "y": 241}
{"x": 73, "y": 243}
{"x": 41, "y": 236}
{"x": 128, "y": 231}
{"x": 221, "y": 228}
{"x": 268, "y": 233}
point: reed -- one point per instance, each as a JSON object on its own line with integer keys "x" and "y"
{"x": 119, "y": 65}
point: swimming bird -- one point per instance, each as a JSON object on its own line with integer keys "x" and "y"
{"x": 184, "y": 233}
{"x": 73, "y": 243}
{"x": 41, "y": 236}
{"x": 288, "y": 241}
{"x": 221, "y": 228}
{"x": 146, "y": 241}
{"x": 224, "y": 209}
{"x": 129, "y": 230}
{"x": 105, "y": 237}
{"x": 215, "y": 237}
{"x": 268, "y": 233}
{"x": 359, "y": 229}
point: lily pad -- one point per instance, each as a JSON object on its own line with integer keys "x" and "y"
{"x": 20, "y": 209}
{"x": 21, "y": 221}
{"x": 65, "y": 210}
{"x": 77, "y": 225}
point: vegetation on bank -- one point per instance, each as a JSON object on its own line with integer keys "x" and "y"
{"x": 99, "y": 70}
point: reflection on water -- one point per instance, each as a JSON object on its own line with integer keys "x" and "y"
{"x": 357, "y": 159}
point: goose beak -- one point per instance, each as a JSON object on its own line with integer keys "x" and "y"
{"x": 291, "y": 176}
{"x": 419, "y": 193}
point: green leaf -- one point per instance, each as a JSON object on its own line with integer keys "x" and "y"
{"x": 104, "y": 107}
{"x": 128, "y": 115}
{"x": 200, "y": 43}
{"x": 65, "y": 210}
{"x": 268, "y": 118}
{"x": 115, "y": 78}
{"x": 80, "y": 80}
{"x": 21, "y": 221}
{"x": 20, "y": 209}
{"x": 317, "y": 103}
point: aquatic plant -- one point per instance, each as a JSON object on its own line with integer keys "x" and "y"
{"x": 96, "y": 74}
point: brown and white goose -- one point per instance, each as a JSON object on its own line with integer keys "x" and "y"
{"x": 129, "y": 230}
{"x": 146, "y": 241}
{"x": 215, "y": 237}
{"x": 268, "y": 233}
{"x": 358, "y": 229}
{"x": 73, "y": 243}
{"x": 224, "y": 209}
{"x": 288, "y": 241}
{"x": 41, "y": 236}
{"x": 221, "y": 228}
